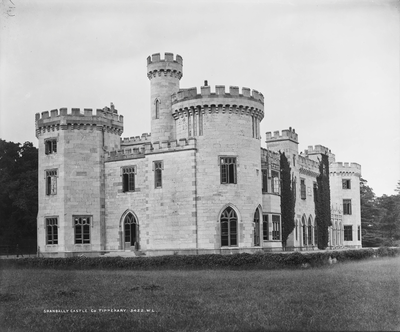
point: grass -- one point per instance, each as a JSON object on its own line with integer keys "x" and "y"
{"x": 356, "y": 296}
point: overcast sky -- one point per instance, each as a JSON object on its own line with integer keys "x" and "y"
{"x": 329, "y": 69}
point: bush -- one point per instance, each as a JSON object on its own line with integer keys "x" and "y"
{"x": 237, "y": 261}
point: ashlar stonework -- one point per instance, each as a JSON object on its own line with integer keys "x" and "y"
{"x": 200, "y": 182}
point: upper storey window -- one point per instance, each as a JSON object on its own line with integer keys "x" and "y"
{"x": 303, "y": 194}
{"x": 346, "y": 184}
{"x": 275, "y": 183}
{"x": 50, "y": 146}
{"x": 158, "y": 167}
{"x": 51, "y": 181}
{"x": 228, "y": 169}
{"x": 264, "y": 178}
{"x": 128, "y": 178}
{"x": 157, "y": 104}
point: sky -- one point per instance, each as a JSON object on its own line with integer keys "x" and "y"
{"x": 329, "y": 69}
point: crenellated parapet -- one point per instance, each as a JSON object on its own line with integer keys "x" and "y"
{"x": 55, "y": 120}
{"x": 219, "y": 92}
{"x": 307, "y": 166}
{"x": 345, "y": 169}
{"x": 168, "y": 66}
{"x": 317, "y": 149}
{"x": 136, "y": 140}
{"x": 188, "y": 101}
{"x": 287, "y": 134}
{"x": 152, "y": 148}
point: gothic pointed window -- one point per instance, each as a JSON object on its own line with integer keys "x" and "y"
{"x": 228, "y": 227}
{"x": 131, "y": 230}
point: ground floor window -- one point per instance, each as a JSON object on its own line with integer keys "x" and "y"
{"x": 348, "y": 233}
{"x": 265, "y": 227}
{"x": 228, "y": 227}
{"x": 82, "y": 229}
{"x": 52, "y": 230}
{"x": 309, "y": 232}
{"x": 257, "y": 228}
{"x": 276, "y": 227}
{"x": 131, "y": 230}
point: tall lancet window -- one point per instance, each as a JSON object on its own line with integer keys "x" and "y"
{"x": 157, "y": 103}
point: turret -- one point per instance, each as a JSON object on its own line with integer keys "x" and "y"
{"x": 164, "y": 75}
{"x": 286, "y": 142}
{"x": 71, "y": 182}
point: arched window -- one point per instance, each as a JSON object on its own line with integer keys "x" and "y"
{"x": 228, "y": 227}
{"x": 309, "y": 231}
{"x": 131, "y": 230}
{"x": 157, "y": 103}
{"x": 304, "y": 227}
{"x": 296, "y": 230}
{"x": 257, "y": 227}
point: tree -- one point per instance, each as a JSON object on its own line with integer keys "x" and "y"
{"x": 380, "y": 217}
{"x": 18, "y": 192}
{"x": 287, "y": 199}
{"x": 369, "y": 216}
{"x": 389, "y": 219}
{"x": 323, "y": 203}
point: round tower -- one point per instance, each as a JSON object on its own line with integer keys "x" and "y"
{"x": 225, "y": 126}
{"x": 164, "y": 75}
{"x": 71, "y": 216}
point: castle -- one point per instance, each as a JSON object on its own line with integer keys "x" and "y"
{"x": 199, "y": 183}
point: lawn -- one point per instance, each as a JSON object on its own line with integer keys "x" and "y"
{"x": 361, "y": 296}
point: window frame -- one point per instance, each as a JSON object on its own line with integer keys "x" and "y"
{"x": 52, "y": 236}
{"x": 83, "y": 230}
{"x": 158, "y": 167}
{"x": 50, "y": 146}
{"x": 346, "y": 184}
{"x": 275, "y": 183}
{"x": 347, "y": 208}
{"x": 231, "y": 217}
{"x": 303, "y": 189}
{"x": 228, "y": 169}
{"x": 51, "y": 176}
{"x": 128, "y": 174}
{"x": 348, "y": 233}
{"x": 276, "y": 227}
{"x": 265, "y": 226}
{"x": 264, "y": 180}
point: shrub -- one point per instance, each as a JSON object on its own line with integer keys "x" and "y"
{"x": 237, "y": 261}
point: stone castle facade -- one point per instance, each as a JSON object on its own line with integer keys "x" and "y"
{"x": 199, "y": 183}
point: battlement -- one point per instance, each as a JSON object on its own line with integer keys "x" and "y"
{"x": 151, "y": 148}
{"x": 219, "y": 92}
{"x": 56, "y": 119}
{"x": 307, "y": 163}
{"x": 146, "y": 137}
{"x": 169, "y": 66}
{"x": 346, "y": 169}
{"x": 169, "y": 57}
{"x": 286, "y": 134}
{"x": 317, "y": 149}
{"x": 341, "y": 165}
